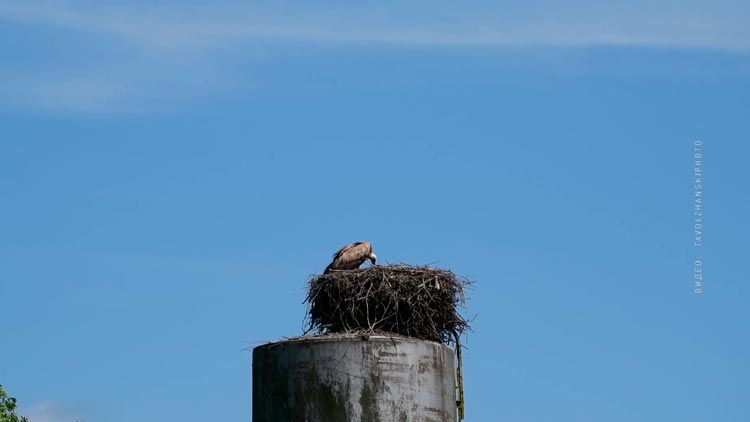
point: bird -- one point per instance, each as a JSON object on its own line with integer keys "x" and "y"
{"x": 351, "y": 256}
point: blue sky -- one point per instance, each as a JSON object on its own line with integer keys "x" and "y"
{"x": 171, "y": 173}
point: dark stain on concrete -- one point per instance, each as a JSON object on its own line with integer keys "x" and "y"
{"x": 403, "y": 417}
{"x": 368, "y": 400}
{"x": 310, "y": 398}
{"x": 327, "y": 404}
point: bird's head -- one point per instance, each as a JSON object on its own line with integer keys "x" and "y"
{"x": 373, "y": 258}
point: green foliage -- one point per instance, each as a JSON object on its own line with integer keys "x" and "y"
{"x": 8, "y": 408}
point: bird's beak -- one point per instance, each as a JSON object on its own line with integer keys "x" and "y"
{"x": 373, "y": 258}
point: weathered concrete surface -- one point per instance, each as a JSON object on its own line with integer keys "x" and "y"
{"x": 343, "y": 379}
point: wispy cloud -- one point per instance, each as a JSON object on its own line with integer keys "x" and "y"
{"x": 577, "y": 25}
{"x": 151, "y": 55}
{"x": 51, "y": 411}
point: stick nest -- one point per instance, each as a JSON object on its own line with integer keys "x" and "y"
{"x": 413, "y": 301}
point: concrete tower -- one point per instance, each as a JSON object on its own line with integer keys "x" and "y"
{"x": 346, "y": 377}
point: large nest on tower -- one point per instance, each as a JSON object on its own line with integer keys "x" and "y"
{"x": 413, "y": 301}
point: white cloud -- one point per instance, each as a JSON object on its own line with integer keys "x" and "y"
{"x": 191, "y": 28}
{"x": 150, "y": 57}
{"x": 51, "y": 411}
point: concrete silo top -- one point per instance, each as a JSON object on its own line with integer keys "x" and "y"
{"x": 349, "y": 376}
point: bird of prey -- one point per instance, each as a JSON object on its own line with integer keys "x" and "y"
{"x": 351, "y": 256}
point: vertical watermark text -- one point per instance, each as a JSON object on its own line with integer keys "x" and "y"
{"x": 697, "y": 216}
